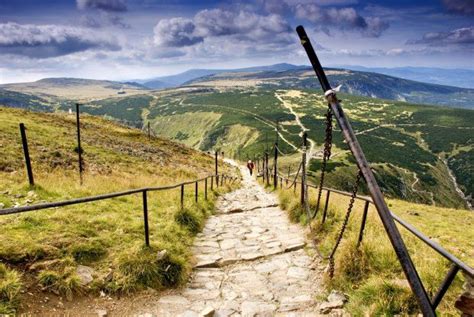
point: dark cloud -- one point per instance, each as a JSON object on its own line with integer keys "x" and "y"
{"x": 106, "y": 5}
{"x": 176, "y": 32}
{"x": 462, "y": 36}
{"x": 103, "y": 20}
{"x": 43, "y": 41}
{"x": 341, "y": 18}
{"x": 241, "y": 26}
{"x": 465, "y": 7}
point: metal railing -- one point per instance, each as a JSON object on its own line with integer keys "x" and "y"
{"x": 218, "y": 180}
{"x": 456, "y": 263}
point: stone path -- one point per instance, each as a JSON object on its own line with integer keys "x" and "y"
{"x": 250, "y": 261}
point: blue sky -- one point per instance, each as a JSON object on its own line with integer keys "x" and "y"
{"x": 128, "y": 39}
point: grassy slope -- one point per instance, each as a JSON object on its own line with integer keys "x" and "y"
{"x": 45, "y": 247}
{"x": 372, "y": 276}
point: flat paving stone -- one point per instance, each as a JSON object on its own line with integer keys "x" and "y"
{"x": 249, "y": 261}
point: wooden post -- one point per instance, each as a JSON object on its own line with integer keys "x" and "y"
{"x": 217, "y": 169}
{"x": 275, "y": 167}
{"x": 326, "y": 206}
{"x": 182, "y": 196}
{"x": 24, "y": 141}
{"x": 267, "y": 169}
{"x": 79, "y": 148}
{"x": 196, "y": 194}
{"x": 145, "y": 219}
{"x": 303, "y": 169}
{"x": 362, "y": 225}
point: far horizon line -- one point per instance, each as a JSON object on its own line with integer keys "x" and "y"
{"x": 341, "y": 66}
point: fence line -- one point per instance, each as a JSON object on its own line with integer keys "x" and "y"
{"x": 223, "y": 178}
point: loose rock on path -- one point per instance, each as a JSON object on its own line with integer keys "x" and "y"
{"x": 250, "y": 261}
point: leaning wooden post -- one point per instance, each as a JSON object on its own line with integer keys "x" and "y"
{"x": 372, "y": 185}
{"x": 24, "y": 141}
{"x": 79, "y": 148}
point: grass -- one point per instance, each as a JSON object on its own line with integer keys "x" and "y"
{"x": 10, "y": 286}
{"x": 371, "y": 275}
{"x": 45, "y": 247}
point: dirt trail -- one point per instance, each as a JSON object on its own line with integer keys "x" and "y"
{"x": 249, "y": 261}
{"x": 289, "y": 106}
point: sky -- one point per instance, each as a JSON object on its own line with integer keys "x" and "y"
{"x": 139, "y": 39}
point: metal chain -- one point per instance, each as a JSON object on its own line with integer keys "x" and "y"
{"x": 326, "y": 156}
{"x": 355, "y": 188}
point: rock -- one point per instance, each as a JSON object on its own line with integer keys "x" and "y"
{"x": 207, "y": 312}
{"x": 295, "y": 246}
{"x": 250, "y": 309}
{"x": 298, "y": 273}
{"x": 146, "y": 315}
{"x": 161, "y": 255}
{"x": 336, "y": 296}
{"x": 335, "y": 300}
{"x": 85, "y": 274}
{"x": 101, "y": 312}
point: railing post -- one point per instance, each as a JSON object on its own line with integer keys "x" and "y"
{"x": 362, "y": 225}
{"x": 24, "y": 141}
{"x": 266, "y": 169}
{"x": 79, "y": 148}
{"x": 445, "y": 285}
{"x": 196, "y": 193}
{"x": 182, "y": 196}
{"x": 145, "y": 219}
{"x": 303, "y": 169}
{"x": 326, "y": 205}
{"x": 217, "y": 169}
{"x": 275, "y": 167}
{"x": 205, "y": 188}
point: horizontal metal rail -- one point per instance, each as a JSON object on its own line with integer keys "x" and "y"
{"x": 8, "y": 211}
{"x": 435, "y": 246}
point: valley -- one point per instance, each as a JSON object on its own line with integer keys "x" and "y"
{"x": 421, "y": 153}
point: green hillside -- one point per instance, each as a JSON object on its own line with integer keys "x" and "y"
{"x": 406, "y": 143}
{"x": 41, "y": 251}
{"x": 410, "y": 146}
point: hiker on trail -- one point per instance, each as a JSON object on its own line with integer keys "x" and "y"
{"x": 250, "y": 166}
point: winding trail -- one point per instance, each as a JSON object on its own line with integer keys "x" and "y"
{"x": 250, "y": 261}
{"x": 289, "y": 106}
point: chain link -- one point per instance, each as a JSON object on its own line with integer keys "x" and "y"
{"x": 326, "y": 156}
{"x": 355, "y": 188}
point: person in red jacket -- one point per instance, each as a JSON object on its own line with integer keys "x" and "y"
{"x": 250, "y": 166}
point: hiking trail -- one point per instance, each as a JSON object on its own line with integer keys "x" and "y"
{"x": 249, "y": 261}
